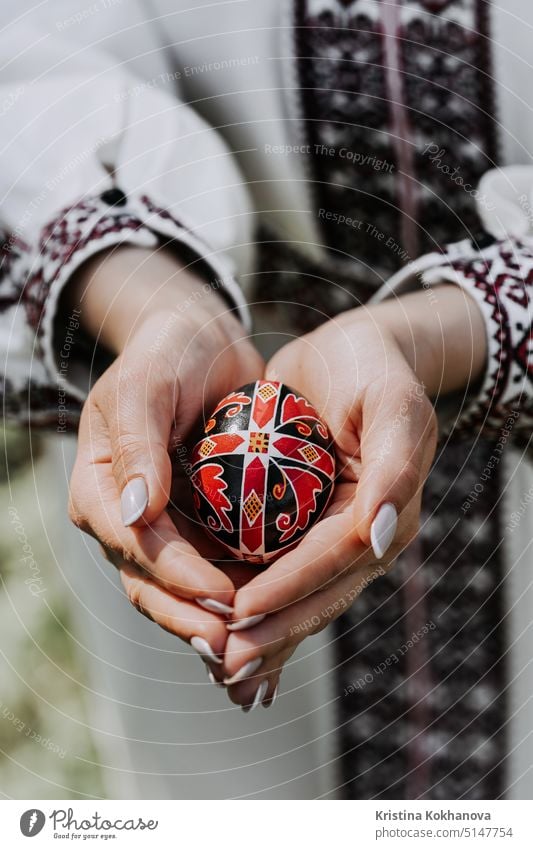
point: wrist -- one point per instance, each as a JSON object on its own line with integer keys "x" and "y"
{"x": 442, "y": 339}
{"x": 123, "y": 289}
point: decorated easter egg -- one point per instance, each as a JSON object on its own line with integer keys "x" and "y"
{"x": 262, "y": 473}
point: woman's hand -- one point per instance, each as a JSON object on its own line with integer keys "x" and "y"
{"x": 178, "y": 347}
{"x": 369, "y": 374}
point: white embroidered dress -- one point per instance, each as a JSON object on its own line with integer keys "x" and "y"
{"x": 90, "y": 101}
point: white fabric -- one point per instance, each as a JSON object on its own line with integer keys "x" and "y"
{"x": 79, "y": 114}
{"x": 70, "y": 79}
{"x": 75, "y": 114}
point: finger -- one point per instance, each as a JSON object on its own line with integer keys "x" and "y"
{"x": 204, "y": 631}
{"x": 330, "y": 549}
{"x": 167, "y": 557}
{"x": 277, "y": 638}
{"x": 398, "y": 441}
{"x": 286, "y": 629}
{"x": 139, "y": 408}
{"x": 273, "y": 691}
{"x": 260, "y": 688}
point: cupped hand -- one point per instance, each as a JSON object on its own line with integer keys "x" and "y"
{"x": 369, "y": 374}
{"x": 179, "y": 349}
{"x": 357, "y": 374}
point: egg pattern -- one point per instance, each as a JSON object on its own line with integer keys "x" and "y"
{"x": 263, "y": 472}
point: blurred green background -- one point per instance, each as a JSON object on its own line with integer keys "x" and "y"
{"x": 46, "y": 747}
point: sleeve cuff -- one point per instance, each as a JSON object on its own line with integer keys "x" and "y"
{"x": 86, "y": 228}
{"x": 500, "y": 279}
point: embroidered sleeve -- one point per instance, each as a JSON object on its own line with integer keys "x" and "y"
{"x": 77, "y": 124}
{"x": 500, "y": 278}
{"x": 47, "y": 363}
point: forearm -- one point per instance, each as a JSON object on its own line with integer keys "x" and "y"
{"x": 443, "y": 337}
{"x": 118, "y": 290}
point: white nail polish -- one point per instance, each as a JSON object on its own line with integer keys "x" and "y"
{"x": 273, "y": 699}
{"x": 214, "y": 606}
{"x": 246, "y": 670}
{"x": 204, "y": 649}
{"x": 133, "y": 501}
{"x": 259, "y": 696}
{"x": 383, "y": 529}
{"x": 249, "y": 622}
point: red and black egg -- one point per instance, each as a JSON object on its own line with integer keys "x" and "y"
{"x": 263, "y": 471}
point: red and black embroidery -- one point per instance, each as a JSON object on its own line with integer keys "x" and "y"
{"x": 501, "y": 280}
{"x": 397, "y": 112}
{"x": 32, "y": 278}
{"x": 397, "y": 109}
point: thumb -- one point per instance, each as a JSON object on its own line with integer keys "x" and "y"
{"x": 398, "y": 443}
{"x": 139, "y": 410}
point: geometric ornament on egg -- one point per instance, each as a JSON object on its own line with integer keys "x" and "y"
{"x": 263, "y": 472}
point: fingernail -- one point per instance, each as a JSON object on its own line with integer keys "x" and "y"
{"x": 212, "y": 678}
{"x": 214, "y": 606}
{"x": 249, "y": 622}
{"x": 133, "y": 501}
{"x": 204, "y": 649}
{"x": 269, "y": 702}
{"x": 259, "y": 696}
{"x": 383, "y": 529}
{"x": 246, "y": 670}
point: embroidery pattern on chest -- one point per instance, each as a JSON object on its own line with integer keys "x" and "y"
{"x": 397, "y": 109}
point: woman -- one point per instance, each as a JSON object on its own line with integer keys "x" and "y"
{"x": 362, "y": 130}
